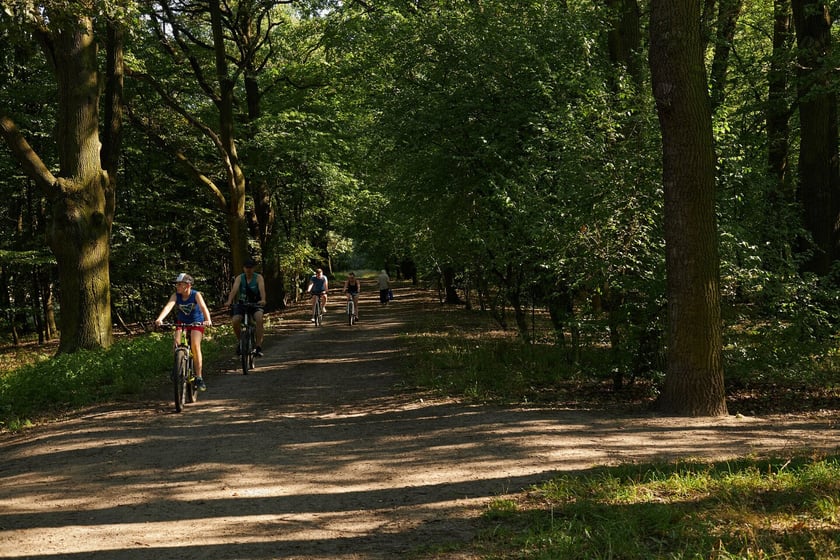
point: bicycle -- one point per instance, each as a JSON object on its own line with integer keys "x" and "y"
{"x": 248, "y": 337}
{"x": 351, "y": 310}
{"x": 318, "y": 311}
{"x": 183, "y": 370}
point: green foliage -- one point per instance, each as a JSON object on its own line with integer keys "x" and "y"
{"x": 501, "y": 153}
{"x": 131, "y": 367}
{"x": 772, "y": 367}
{"x": 739, "y": 510}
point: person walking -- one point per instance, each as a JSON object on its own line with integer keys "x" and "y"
{"x": 384, "y": 284}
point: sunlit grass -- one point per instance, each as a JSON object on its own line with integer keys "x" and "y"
{"x": 129, "y": 368}
{"x": 743, "y": 510}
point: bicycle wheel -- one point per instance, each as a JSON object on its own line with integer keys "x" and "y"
{"x": 245, "y": 349}
{"x": 252, "y": 355}
{"x": 190, "y": 388}
{"x": 179, "y": 377}
{"x": 351, "y": 313}
{"x": 319, "y": 314}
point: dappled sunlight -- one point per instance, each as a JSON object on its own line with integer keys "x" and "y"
{"x": 321, "y": 453}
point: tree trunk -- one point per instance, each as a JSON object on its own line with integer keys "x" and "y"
{"x": 728, "y": 13}
{"x": 81, "y": 197}
{"x": 235, "y": 175}
{"x": 818, "y": 165}
{"x": 694, "y": 374}
{"x": 624, "y": 39}
{"x": 778, "y": 110}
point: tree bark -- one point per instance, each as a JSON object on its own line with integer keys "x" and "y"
{"x": 728, "y": 13}
{"x": 624, "y": 38}
{"x": 819, "y": 174}
{"x": 82, "y": 195}
{"x": 778, "y": 109}
{"x": 694, "y": 373}
{"x": 235, "y": 174}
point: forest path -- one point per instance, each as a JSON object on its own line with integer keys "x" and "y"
{"x": 321, "y": 454}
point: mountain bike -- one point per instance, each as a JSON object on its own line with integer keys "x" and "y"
{"x": 318, "y": 311}
{"x": 351, "y": 310}
{"x": 248, "y": 337}
{"x": 183, "y": 370}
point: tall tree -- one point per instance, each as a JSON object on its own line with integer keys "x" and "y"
{"x": 778, "y": 109}
{"x": 728, "y": 13}
{"x": 694, "y": 372}
{"x": 819, "y": 173}
{"x": 82, "y": 194}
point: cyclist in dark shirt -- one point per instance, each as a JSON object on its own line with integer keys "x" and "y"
{"x": 352, "y": 287}
{"x": 319, "y": 285}
{"x": 248, "y": 287}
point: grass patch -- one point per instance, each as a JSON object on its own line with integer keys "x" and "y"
{"x": 48, "y": 385}
{"x": 464, "y": 354}
{"x": 741, "y": 510}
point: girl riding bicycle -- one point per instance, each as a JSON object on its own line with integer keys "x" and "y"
{"x": 352, "y": 287}
{"x": 318, "y": 287}
{"x": 191, "y": 309}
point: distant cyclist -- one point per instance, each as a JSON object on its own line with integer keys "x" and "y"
{"x": 191, "y": 309}
{"x": 248, "y": 287}
{"x": 352, "y": 287}
{"x": 319, "y": 285}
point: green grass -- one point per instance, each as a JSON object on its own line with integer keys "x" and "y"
{"x": 131, "y": 367}
{"x": 475, "y": 360}
{"x": 465, "y": 355}
{"x": 748, "y": 509}
{"x": 742, "y": 510}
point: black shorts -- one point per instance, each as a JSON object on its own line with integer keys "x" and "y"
{"x": 242, "y": 308}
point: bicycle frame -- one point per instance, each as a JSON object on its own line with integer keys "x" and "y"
{"x": 183, "y": 372}
{"x": 318, "y": 310}
{"x": 247, "y": 337}
{"x": 351, "y": 310}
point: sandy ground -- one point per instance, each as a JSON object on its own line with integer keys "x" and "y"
{"x": 321, "y": 454}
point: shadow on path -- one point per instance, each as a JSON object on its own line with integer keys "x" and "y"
{"x": 320, "y": 454}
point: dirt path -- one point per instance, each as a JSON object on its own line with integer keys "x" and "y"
{"x": 319, "y": 455}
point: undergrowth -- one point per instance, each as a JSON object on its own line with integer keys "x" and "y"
{"x": 47, "y": 385}
{"x": 463, "y": 354}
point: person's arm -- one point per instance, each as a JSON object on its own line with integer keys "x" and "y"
{"x": 208, "y": 321}
{"x": 166, "y": 309}
{"x": 261, "y": 286}
{"x": 309, "y": 288}
{"x": 233, "y": 291}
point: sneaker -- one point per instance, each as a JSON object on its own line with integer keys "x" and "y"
{"x": 258, "y": 351}
{"x": 199, "y": 381}
{"x": 312, "y": 320}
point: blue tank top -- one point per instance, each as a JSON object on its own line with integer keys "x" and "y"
{"x": 318, "y": 284}
{"x": 188, "y": 309}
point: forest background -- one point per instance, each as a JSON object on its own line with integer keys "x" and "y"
{"x": 513, "y": 154}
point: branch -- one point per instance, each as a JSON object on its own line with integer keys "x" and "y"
{"x": 200, "y": 177}
{"x": 31, "y": 163}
